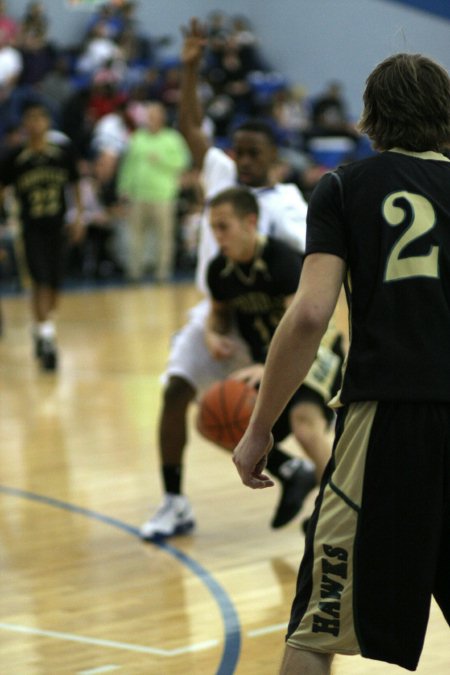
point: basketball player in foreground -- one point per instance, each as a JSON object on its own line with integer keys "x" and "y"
{"x": 378, "y": 546}
{"x": 252, "y": 281}
{"x": 191, "y": 368}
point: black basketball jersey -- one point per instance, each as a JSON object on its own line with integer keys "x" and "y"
{"x": 39, "y": 180}
{"x": 388, "y": 217}
{"x": 257, "y": 291}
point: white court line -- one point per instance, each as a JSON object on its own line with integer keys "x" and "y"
{"x": 268, "y": 629}
{"x": 101, "y": 669}
{"x": 109, "y": 643}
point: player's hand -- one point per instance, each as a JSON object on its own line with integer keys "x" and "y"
{"x": 252, "y": 375}
{"x": 76, "y": 231}
{"x": 250, "y": 458}
{"x": 219, "y": 346}
{"x": 194, "y": 43}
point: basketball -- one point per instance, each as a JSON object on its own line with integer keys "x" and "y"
{"x": 224, "y": 412}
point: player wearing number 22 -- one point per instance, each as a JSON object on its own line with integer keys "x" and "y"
{"x": 40, "y": 173}
{"x": 378, "y": 545}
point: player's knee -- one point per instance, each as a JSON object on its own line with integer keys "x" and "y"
{"x": 178, "y": 393}
{"x": 308, "y": 425}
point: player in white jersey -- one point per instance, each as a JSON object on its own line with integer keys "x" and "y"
{"x": 191, "y": 368}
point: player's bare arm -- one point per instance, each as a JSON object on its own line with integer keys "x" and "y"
{"x": 218, "y": 325}
{"x": 189, "y": 112}
{"x": 299, "y": 332}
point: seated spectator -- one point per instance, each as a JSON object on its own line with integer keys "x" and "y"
{"x": 34, "y": 21}
{"x": 231, "y": 76}
{"x": 247, "y": 43}
{"x": 99, "y": 51}
{"x": 75, "y": 120}
{"x": 8, "y": 27}
{"x": 289, "y": 112}
{"x": 217, "y": 31}
{"x": 110, "y": 17}
{"x": 38, "y": 57}
{"x": 170, "y": 89}
{"x": 329, "y": 111}
{"x": 110, "y": 138}
{"x": 135, "y": 48}
{"x": 147, "y": 87}
{"x": 56, "y": 86}
{"x": 11, "y": 65}
{"x": 105, "y": 94}
{"x": 332, "y": 138}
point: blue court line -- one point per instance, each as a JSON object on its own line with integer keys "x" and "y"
{"x": 232, "y": 628}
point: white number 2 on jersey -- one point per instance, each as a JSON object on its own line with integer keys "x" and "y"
{"x": 422, "y": 221}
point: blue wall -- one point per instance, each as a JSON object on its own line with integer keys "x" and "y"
{"x": 312, "y": 41}
{"x": 436, "y": 7}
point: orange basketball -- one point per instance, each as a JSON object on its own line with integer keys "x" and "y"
{"x": 224, "y": 412}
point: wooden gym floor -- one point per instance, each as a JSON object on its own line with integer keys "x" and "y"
{"x": 81, "y": 594}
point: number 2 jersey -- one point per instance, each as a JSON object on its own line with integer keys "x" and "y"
{"x": 388, "y": 217}
{"x": 40, "y": 180}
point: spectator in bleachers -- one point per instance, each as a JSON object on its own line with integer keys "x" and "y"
{"x": 329, "y": 109}
{"x": 170, "y": 89}
{"x": 99, "y": 50}
{"x": 105, "y": 94}
{"x": 11, "y": 65}
{"x": 110, "y": 139}
{"x": 289, "y": 112}
{"x": 148, "y": 86}
{"x": 229, "y": 77}
{"x": 246, "y": 41}
{"x": 76, "y": 122}
{"x": 8, "y": 26}
{"x": 148, "y": 181}
{"x": 118, "y": 67}
{"x": 56, "y": 87}
{"x": 38, "y": 57}
{"x": 34, "y": 21}
{"x": 331, "y": 138}
{"x": 111, "y": 20}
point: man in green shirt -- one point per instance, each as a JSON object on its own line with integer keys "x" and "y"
{"x": 148, "y": 180}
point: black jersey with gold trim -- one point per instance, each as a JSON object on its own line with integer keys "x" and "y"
{"x": 388, "y": 217}
{"x": 40, "y": 180}
{"x": 257, "y": 291}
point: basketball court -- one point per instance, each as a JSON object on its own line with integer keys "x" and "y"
{"x": 81, "y": 594}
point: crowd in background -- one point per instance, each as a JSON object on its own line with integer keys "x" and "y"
{"x": 98, "y": 93}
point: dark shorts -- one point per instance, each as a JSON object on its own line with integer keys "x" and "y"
{"x": 319, "y": 387}
{"x": 44, "y": 249}
{"x": 378, "y": 547}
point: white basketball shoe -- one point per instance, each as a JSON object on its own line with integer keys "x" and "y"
{"x": 174, "y": 517}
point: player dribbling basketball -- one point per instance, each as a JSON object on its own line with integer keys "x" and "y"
{"x": 252, "y": 281}
{"x": 224, "y": 412}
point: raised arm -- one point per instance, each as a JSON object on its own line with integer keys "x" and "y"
{"x": 290, "y": 356}
{"x": 190, "y": 115}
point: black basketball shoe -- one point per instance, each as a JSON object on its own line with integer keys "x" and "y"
{"x": 48, "y": 354}
{"x": 293, "y": 493}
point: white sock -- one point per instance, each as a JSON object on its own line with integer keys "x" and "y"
{"x": 46, "y": 330}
